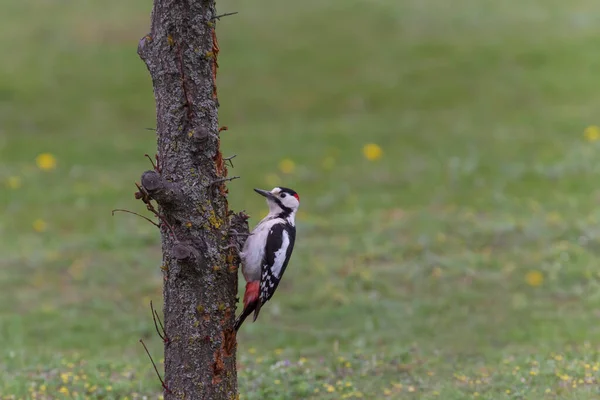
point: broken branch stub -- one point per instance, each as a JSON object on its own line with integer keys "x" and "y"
{"x": 182, "y": 252}
{"x": 165, "y": 193}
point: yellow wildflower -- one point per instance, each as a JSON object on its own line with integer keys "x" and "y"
{"x": 330, "y": 388}
{"x": 45, "y": 161}
{"x": 64, "y": 390}
{"x": 39, "y": 225}
{"x": 592, "y": 133}
{"x": 277, "y": 382}
{"x": 372, "y": 152}
{"x": 13, "y": 182}
{"x": 553, "y": 218}
{"x": 287, "y": 166}
{"x": 534, "y": 278}
{"x": 328, "y": 163}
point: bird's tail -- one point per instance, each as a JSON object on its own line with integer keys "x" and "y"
{"x": 251, "y": 301}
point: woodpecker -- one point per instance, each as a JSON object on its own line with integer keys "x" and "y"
{"x": 268, "y": 249}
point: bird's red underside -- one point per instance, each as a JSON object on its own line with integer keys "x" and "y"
{"x": 251, "y": 294}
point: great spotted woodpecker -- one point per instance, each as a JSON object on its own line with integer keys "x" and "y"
{"x": 268, "y": 249}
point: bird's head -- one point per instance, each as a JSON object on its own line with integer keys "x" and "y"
{"x": 281, "y": 200}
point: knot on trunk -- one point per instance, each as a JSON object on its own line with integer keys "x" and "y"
{"x": 165, "y": 193}
{"x": 184, "y": 252}
{"x": 200, "y": 135}
{"x": 144, "y": 47}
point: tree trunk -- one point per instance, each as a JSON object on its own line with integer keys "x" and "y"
{"x": 188, "y": 184}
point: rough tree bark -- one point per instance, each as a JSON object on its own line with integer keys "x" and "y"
{"x": 188, "y": 184}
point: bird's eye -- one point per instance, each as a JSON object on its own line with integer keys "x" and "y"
{"x": 282, "y": 195}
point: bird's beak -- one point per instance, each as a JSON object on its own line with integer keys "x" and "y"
{"x": 265, "y": 193}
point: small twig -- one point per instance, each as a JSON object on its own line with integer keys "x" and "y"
{"x": 164, "y": 385}
{"x": 150, "y": 129}
{"x": 161, "y": 324}
{"x": 155, "y": 317}
{"x": 223, "y": 128}
{"x": 145, "y": 197}
{"x": 218, "y": 17}
{"x": 231, "y": 246}
{"x": 151, "y": 208}
{"x": 143, "y": 193}
{"x": 223, "y": 180}
{"x": 134, "y": 213}
{"x": 229, "y": 159}
{"x": 151, "y": 161}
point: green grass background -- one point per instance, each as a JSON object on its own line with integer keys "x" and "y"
{"x": 409, "y": 279}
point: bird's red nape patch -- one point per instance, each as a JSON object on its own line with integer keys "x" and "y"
{"x": 296, "y": 196}
{"x": 251, "y": 294}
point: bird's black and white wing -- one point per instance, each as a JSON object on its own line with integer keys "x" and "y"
{"x": 278, "y": 251}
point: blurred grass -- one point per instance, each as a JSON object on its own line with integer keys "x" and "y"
{"x": 461, "y": 264}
